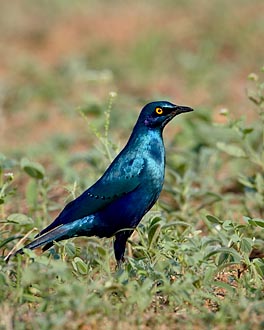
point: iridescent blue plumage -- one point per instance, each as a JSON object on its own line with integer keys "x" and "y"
{"x": 126, "y": 191}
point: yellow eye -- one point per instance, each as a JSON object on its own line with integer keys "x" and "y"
{"x": 159, "y": 111}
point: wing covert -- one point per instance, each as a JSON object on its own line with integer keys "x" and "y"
{"x": 119, "y": 179}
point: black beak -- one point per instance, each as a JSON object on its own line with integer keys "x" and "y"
{"x": 176, "y": 110}
{"x": 181, "y": 109}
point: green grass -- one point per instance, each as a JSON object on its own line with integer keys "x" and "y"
{"x": 196, "y": 259}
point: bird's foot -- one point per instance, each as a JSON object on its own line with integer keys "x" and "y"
{"x": 119, "y": 264}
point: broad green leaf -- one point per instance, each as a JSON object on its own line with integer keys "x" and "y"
{"x": 31, "y": 298}
{"x": 33, "y": 169}
{"x": 259, "y": 264}
{"x": 248, "y": 130}
{"x": 223, "y": 258}
{"x": 229, "y": 251}
{"x": 246, "y": 181}
{"x": 213, "y": 219}
{"x": 70, "y": 249}
{"x": 153, "y": 233}
{"x": 101, "y": 251}
{"x": 80, "y": 266}
{"x": 246, "y": 245}
{"x": 259, "y": 222}
{"x": 19, "y": 218}
{"x": 231, "y": 149}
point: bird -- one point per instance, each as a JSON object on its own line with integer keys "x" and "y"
{"x": 115, "y": 204}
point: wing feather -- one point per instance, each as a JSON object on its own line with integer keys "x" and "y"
{"x": 122, "y": 177}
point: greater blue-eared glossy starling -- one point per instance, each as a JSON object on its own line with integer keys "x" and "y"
{"x": 116, "y": 203}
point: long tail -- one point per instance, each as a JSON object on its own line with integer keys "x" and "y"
{"x": 57, "y": 234}
{"x": 80, "y": 227}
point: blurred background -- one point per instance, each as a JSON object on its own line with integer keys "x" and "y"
{"x": 58, "y": 56}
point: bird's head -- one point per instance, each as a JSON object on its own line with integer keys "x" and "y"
{"x": 158, "y": 114}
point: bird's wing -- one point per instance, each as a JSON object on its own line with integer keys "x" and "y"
{"x": 120, "y": 178}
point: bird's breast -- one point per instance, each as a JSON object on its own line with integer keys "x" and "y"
{"x": 155, "y": 160}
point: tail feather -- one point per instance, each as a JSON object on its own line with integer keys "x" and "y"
{"x": 57, "y": 234}
{"x": 81, "y": 227}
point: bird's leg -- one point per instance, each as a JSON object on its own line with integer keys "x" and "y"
{"x": 120, "y": 246}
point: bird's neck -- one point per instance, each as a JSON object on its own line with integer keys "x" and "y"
{"x": 142, "y": 137}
